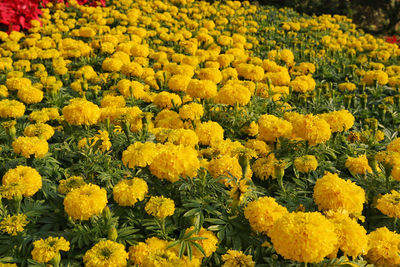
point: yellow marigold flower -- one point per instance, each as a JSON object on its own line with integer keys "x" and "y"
{"x": 16, "y": 83}
{"x": 172, "y": 162}
{"x": 234, "y": 94}
{"x": 251, "y": 129}
{"x": 191, "y": 111}
{"x": 306, "y": 67}
{"x": 167, "y": 100}
{"x": 390, "y": 158}
{"x": 209, "y": 244}
{"x": 396, "y": 172}
{"x": 227, "y": 166}
{"x": 113, "y": 101}
{"x": 304, "y": 237}
{"x": 85, "y": 202}
{"x": 179, "y": 82}
{"x": 389, "y": 204}
{"x": 306, "y": 163}
{"x": 209, "y": 132}
{"x": 333, "y": 193}
{"x": 379, "y": 76}
{"x": 203, "y": 89}
{"x": 168, "y": 119}
{"x": 262, "y": 214}
{"x": 250, "y": 72}
{"x": 3, "y": 91}
{"x": 352, "y": 237}
{"x": 139, "y": 50}
{"x": 138, "y": 253}
{"x": 44, "y": 115}
{"x": 67, "y": 185}
{"x": 358, "y": 165}
{"x": 81, "y": 112}
{"x": 160, "y": 207}
{"x": 87, "y": 32}
{"x": 132, "y": 69}
{"x": 347, "y": 86}
{"x": 271, "y": 128}
{"x": 287, "y": 56}
{"x": 311, "y": 128}
{"x": 40, "y": 130}
{"x": 139, "y": 154}
{"x": 106, "y": 253}
{"x": 303, "y": 84}
{"x": 47, "y": 249}
{"x": 384, "y": 248}
{"x": 394, "y": 146}
{"x": 265, "y": 167}
{"x": 185, "y": 137}
{"x": 112, "y": 64}
{"x": 128, "y": 192}
{"x": 339, "y": 121}
{"x": 30, "y": 95}
{"x": 27, "y": 146}
{"x": 260, "y": 147}
{"x": 28, "y": 177}
{"x": 13, "y": 224}
{"x": 11, "y": 109}
{"x": 212, "y": 74}
{"x": 234, "y": 258}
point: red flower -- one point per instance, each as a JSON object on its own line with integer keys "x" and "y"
{"x": 392, "y": 39}
{"x": 17, "y": 14}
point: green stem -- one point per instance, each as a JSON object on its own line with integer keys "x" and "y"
{"x": 161, "y": 223}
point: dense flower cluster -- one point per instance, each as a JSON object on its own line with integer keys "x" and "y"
{"x": 189, "y": 121}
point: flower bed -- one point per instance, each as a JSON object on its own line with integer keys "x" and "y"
{"x": 176, "y": 133}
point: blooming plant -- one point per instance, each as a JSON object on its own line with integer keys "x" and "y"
{"x": 190, "y": 133}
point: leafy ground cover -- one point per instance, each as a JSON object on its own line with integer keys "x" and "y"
{"x": 154, "y": 133}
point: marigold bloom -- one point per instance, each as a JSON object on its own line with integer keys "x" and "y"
{"x": 128, "y": 192}
{"x": 265, "y": 167}
{"x": 352, "y": 237}
{"x": 209, "y": 243}
{"x": 304, "y": 237}
{"x": 27, "y": 146}
{"x": 203, "y": 89}
{"x": 271, "y": 128}
{"x": 81, "y": 112}
{"x": 40, "y": 130}
{"x": 69, "y": 184}
{"x": 233, "y": 95}
{"x": 179, "y": 82}
{"x": 234, "y": 258}
{"x": 358, "y": 165}
{"x": 389, "y": 204}
{"x": 28, "y": 177}
{"x": 13, "y": 224}
{"x": 311, "y": 128}
{"x": 139, "y": 154}
{"x": 263, "y": 213}
{"x": 167, "y": 100}
{"x": 106, "y": 253}
{"x": 339, "y": 121}
{"x": 85, "y": 202}
{"x": 160, "y": 207}
{"x": 47, "y": 249}
{"x": 209, "y": 132}
{"x": 173, "y": 162}
{"x": 306, "y": 163}
{"x": 394, "y": 146}
{"x": 11, "y": 109}
{"x": 191, "y": 111}
{"x": 333, "y": 193}
{"x": 30, "y": 95}
{"x": 384, "y": 248}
